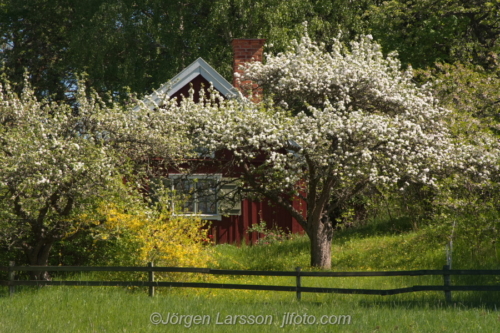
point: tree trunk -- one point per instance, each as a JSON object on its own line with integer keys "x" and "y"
{"x": 321, "y": 236}
{"x": 39, "y": 256}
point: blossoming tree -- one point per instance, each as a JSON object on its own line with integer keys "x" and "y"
{"x": 57, "y": 163}
{"x": 338, "y": 122}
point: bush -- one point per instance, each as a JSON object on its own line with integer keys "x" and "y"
{"x": 162, "y": 237}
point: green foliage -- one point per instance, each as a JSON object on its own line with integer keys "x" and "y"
{"x": 428, "y": 31}
{"x": 280, "y": 21}
{"x": 462, "y": 210}
{"x": 414, "y": 203}
{"x": 268, "y": 235}
{"x": 142, "y": 44}
{"x": 469, "y": 217}
{"x": 472, "y": 92}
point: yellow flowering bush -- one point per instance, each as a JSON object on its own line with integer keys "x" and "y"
{"x": 161, "y": 237}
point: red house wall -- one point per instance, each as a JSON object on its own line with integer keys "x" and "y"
{"x": 233, "y": 229}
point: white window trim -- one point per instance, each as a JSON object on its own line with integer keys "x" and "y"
{"x": 217, "y": 176}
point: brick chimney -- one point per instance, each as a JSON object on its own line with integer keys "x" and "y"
{"x": 245, "y": 51}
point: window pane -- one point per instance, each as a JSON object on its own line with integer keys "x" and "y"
{"x": 206, "y": 196}
{"x": 185, "y": 190}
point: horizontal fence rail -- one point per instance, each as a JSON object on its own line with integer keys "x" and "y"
{"x": 447, "y": 288}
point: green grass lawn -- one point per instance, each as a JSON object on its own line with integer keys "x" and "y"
{"x": 115, "y": 309}
{"x": 86, "y": 309}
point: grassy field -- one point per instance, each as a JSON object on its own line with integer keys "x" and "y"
{"x": 377, "y": 247}
{"x": 115, "y": 310}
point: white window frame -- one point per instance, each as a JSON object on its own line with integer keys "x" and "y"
{"x": 217, "y": 177}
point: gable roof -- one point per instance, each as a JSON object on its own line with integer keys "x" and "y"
{"x": 188, "y": 74}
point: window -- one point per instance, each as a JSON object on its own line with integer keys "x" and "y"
{"x": 207, "y": 195}
{"x": 197, "y": 193}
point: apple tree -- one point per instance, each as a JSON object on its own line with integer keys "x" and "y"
{"x": 334, "y": 123}
{"x": 58, "y": 162}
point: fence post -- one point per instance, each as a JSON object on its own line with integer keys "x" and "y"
{"x": 447, "y": 283}
{"x": 11, "y": 277}
{"x": 151, "y": 278}
{"x": 299, "y": 295}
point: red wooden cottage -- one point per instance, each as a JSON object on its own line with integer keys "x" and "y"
{"x": 228, "y": 225}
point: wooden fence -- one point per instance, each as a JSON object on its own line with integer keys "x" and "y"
{"x": 446, "y": 272}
